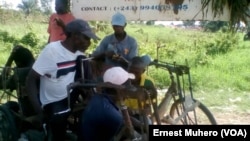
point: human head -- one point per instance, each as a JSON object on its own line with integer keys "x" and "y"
{"x": 22, "y": 56}
{"x": 80, "y": 31}
{"x": 118, "y": 19}
{"x": 118, "y": 23}
{"x": 117, "y": 75}
{"x": 137, "y": 67}
{"x": 61, "y": 6}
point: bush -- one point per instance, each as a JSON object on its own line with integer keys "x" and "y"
{"x": 6, "y": 37}
{"x": 222, "y": 44}
{"x": 30, "y": 39}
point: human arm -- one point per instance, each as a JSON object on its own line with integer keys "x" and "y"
{"x": 12, "y": 54}
{"x": 60, "y": 23}
{"x": 8, "y": 64}
{"x": 9, "y": 61}
{"x": 32, "y": 84}
{"x": 102, "y": 50}
{"x": 56, "y": 27}
{"x": 133, "y": 51}
{"x": 63, "y": 20}
{"x": 149, "y": 84}
{"x": 7, "y": 67}
{"x": 127, "y": 52}
{"x": 32, "y": 87}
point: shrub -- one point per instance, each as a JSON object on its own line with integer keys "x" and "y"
{"x": 6, "y": 37}
{"x": 30, "y": 39}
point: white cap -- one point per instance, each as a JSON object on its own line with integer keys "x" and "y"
{"x": 117, "y": 75}
{"x": 118, "y": 19}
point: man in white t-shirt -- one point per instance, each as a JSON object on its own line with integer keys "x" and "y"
{"x": 53, "y": 71}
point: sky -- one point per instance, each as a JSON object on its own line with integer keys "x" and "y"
{"x": 14, "y": 3}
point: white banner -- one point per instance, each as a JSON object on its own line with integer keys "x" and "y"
{"x": 145, "y": 10}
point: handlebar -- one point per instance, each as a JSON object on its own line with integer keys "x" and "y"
{"x": 171, "y": 67}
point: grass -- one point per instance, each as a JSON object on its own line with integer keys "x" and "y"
{"x": 219, "y": 79}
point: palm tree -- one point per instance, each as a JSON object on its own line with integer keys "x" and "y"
{"x": 239, "y": 10}
{"x": 28, "y": 6}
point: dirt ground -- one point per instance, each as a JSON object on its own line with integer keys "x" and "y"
{"x": 229, "y": 115}
{"x": 232, "y": 118}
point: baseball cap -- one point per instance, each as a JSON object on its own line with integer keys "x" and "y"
{"x": 117, "y": 75}
{"x": 118, "y": 19}
{"x": 146, "y": 59}
{"x": 79, "y": 25}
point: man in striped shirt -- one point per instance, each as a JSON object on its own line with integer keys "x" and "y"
{"x": 52, "y": 72}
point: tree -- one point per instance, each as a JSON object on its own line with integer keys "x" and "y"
{"x": 214, "y": 26}
{"x": 189, "y": 23}
{"x": 238, "y": 10}
{"x": 46, "y": 6}
{"x": 28, "y": 6}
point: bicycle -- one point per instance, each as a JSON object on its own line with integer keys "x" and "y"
{"x": 184, "y": 108}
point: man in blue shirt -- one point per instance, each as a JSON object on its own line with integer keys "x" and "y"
{"x": 101, "y": 120}
{"x": 117, "y": 48}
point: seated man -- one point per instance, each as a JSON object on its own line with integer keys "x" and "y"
{"x": 101, "y": 119}
{"x": 23, "y": 58}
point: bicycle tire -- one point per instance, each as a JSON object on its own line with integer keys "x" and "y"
{"x": 202, "y": 113}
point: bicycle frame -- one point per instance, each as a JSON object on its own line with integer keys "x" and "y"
{"x": 4, "y": 78}
{"x": 176, "y": 90}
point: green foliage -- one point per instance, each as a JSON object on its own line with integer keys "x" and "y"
{"x": 230, "y": 70}
{"x": 222, "y": 45}
{"x": 214, "y": 26}
{"x": 6, "y": 37}
{"x": 29, "y": 39}
{"x": 29, "y": 6}
{"x": 189, "y": 23}
{"x": 238, "y": 10}
{"x": 46, "y": 6}
{"x": 212, "y": 56}
{"x": 150, "y": 22}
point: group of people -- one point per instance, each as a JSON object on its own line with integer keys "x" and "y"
{"x": 55, "y": 68}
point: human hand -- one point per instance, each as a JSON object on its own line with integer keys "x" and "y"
{"x": 110, "y": 53}
{"x": 59, "y": 22}
{"x": 36, "y": 120}
{"x": 6, "y": 71}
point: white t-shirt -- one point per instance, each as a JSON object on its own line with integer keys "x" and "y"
{"x": 56, "y": 65}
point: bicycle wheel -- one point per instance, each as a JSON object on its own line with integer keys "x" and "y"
{"x": 197, "y": 115}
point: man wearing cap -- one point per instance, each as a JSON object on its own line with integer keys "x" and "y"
{"x": 52, "y": 72}
{"x": 117, "y": 48}
{"x": 102, "y": 120}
